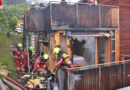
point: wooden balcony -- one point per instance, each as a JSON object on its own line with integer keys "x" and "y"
{"x": 69, "y": 16}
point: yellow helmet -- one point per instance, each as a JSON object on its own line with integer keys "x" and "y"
{"x": 33, "y": 3}
{"x": 28, "y": 8}
{"x": 31, "y": 48}
{"x": 56, "y": 50}
{"x": 46, "y": 56}
{"x": 96, "y": 2}
{"x": 64, "y": 55}
{"x": 20, "y": 45}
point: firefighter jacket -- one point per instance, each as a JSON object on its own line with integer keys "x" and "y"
{"x": 25, "y": 57}
{"x": 40, "y": 63}
{"x": 67, "y": 62}
{"x": 17, "y": 53}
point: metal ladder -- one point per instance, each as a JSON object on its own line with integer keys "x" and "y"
{"x": 30, "y": 41}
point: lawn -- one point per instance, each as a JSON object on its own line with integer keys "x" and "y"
{"x": 5, "y": 52}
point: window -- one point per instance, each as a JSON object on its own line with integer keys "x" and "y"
{"x": 92, "y": 50}
{"x": 84, "y": 49}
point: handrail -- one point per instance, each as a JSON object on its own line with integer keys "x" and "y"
{"x": 97, "y": 65}
{"x": 83, "y": 4}
{"x": 124, "y": 55}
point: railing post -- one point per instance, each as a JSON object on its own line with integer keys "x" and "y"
{"x": 77, "y": 14}
{"x": 27, "y": 37}
{"x": 68, "y": 81}
{"x": 100, "y": 22}
{"x": 99, "y": 78}
{"x": 123, "y": 72}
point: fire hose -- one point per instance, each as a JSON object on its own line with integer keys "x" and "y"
{"x": 16, "y": 83}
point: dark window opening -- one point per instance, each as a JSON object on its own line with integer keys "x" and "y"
{"x": 101, "y": 49}
{"x": 84, "y": 50}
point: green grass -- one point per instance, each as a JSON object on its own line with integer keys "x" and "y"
{"x": 5, "y": 52}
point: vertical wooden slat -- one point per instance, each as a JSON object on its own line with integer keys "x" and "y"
{"x": 108, "y": 50}
{"x": 117, "y": 45}
{"x": 127, "y": 74}
{"x": 96, "y": 51}
{"x": 69, "y": 47}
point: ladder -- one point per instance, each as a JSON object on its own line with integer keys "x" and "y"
{"x": 30, "y": 41}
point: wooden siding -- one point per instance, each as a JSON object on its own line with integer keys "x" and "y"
{"x": 64, "y": 16}
{"x": 34, "y": 20}
{"x": 101, "y": 78}
{"x": 84, "y": 16}
{"x": 124, "y": 23}
{"x": 124, "y": 26}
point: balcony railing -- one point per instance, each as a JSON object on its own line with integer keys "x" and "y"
{"x": 73, "y": 16}
{"x": 110, "y": 76}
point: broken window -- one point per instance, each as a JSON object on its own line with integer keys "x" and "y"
{"x": 84, "y": 50}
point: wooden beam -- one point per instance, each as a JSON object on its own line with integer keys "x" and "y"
{"x": 69, "y": 47}
{"x": 92, "y": 35}
{"x": 57, "y": 37}
{"x": 96, "y": 51}
{"x": 63, "y": 43}
{"x": 108, "y": 50}
{"x": 52, "y": 58}
{"x": 117, "y": 45}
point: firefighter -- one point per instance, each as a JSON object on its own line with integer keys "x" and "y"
{"x": 41, "y": 64}
{"x": 41, "y": 4}
{"x": 63, "y": 60}
{"x": 25, "y": 58}
{"x": 17, "y": 56}
{"x": 33, "y": 4}
{"x": 96, "y": 2}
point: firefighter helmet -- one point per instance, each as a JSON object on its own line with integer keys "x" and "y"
{"x": 56, "y": 50}
{"x": 41, "y": 4}
{"x": 20, "y": 45}
{"x": 46, "y": 56}
{"x": 31, "y": 48}
{"x": 33, "y": 3}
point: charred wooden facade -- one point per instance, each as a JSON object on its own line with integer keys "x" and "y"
{"x": 68, "y": 16}
{"x": 97, "y": 78}
{"x": 89, "y": 33}
{"x": 124, "y": 23}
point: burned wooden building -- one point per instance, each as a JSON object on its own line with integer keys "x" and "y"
{"x": 89, "y": 33}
